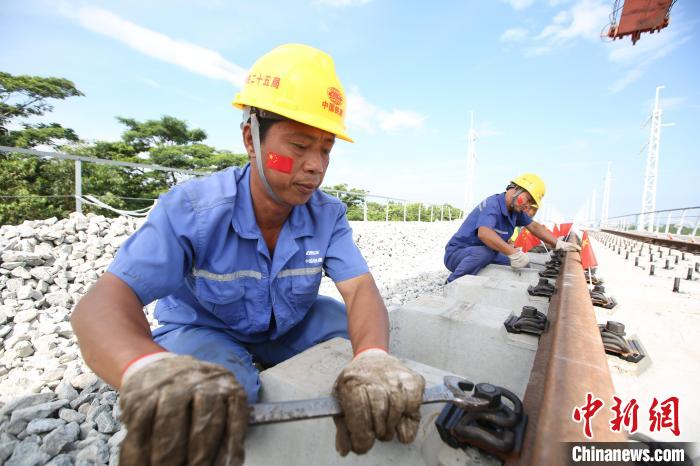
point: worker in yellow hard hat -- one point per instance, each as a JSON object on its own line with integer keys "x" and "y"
{"x": 483, "y": 237}
{"x": 235, "y": 261}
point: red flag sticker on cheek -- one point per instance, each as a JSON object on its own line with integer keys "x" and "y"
{"x": 520, "y": 200}
{"x": 278, "y": 162}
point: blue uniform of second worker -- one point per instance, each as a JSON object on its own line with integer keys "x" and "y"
{"x": 222, "y": 296}
{"x": 465, "y": 253}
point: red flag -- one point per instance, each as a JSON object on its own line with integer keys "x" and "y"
{"x": 565, "y": 228}
{"x": 556, "y": 231}
{"x": 526, "y": 240}
{"x": 278, "y": 162}
{"x": 587, "y": 257}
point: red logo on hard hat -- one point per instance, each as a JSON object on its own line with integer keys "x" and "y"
{"x": 335, "y": 95}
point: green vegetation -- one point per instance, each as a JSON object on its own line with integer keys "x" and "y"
{"x": 354, "y": 199}
{"x": 37, "y": 188}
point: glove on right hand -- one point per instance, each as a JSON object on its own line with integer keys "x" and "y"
{"x": 566, "y": 246}
{"x": 183, "y": 411}
{"x": 519, "y": 260}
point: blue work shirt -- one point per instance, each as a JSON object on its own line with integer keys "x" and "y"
{"x": 492, "y": 213}
{"x": 202, "y": 256}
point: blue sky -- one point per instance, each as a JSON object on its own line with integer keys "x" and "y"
{"x": 549, "y": 96}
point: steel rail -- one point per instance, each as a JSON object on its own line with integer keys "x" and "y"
{"x": 570, "y": 363}
{"x": 685, "y": 246}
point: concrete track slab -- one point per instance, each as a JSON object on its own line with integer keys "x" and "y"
{"x": 465, "y": 338}
{"x": 527, "y": 275}
{"x": 311, "y": 374}
{"x": 494, "y": 291}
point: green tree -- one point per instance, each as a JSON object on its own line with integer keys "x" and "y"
{"x": 170, "y": 142}
{"x": 28, "y": 96}
{"x": 23, "y": 179}
{"x": 33, "y": 187}
{"x": 168, "y": 131}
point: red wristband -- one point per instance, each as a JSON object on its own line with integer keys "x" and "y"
{"x": 138, "y": 359}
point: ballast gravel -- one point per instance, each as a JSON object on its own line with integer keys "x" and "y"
{"x": 53, "y": 409}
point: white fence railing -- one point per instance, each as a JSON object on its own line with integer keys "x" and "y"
{"x": 680, "y": 223}
{"x": 435, "y": 212}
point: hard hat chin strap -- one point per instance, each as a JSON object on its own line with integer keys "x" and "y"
{"x": 255, "y": 132}
{"x": 518, "y": 192}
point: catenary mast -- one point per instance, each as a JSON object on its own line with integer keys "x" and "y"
{"x": 646, "y": 218}
{"x": 471, "y": 166}
{"x": 606, "y": 198}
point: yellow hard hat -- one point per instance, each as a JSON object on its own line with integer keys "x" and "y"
{"x": 533, "y": 184}
{"x": 297, "y": 82}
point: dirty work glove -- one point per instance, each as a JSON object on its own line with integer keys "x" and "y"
{"x": 379, "y": 395}
{"x": 519, "y": 260}
{"x": 566, "y": 246}
{"x": 179, "y": 410}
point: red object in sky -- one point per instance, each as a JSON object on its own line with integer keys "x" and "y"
{"x": 587, "y": 257}
{"x": 565, "y": 228}
{"x": 526, "y": 240}
{"x": 556, "y": 231}
{"x": 640, "y": 16}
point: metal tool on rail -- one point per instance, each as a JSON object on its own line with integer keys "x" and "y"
{"x": 614, "y": 341}
{"x": 475, "y": 415}
{"x": 497, "y": 427}
{"x": 450, "y": 391}
{"x": 530, "y": 321}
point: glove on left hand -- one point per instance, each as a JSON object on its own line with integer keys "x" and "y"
{"x": 379, "y": 395}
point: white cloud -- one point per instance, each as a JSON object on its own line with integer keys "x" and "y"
{"x": 178, "y": 52}
{"x": 340, "y": 3}
{"x": 587, "y": 20}
{"x": 207, "y": 62}
{"x": 514, "y": 35}
{"x": 519, "y": 4}
{"x": 635, "y": 60}
{"x": 365, "y": 115}
{"x": 583, "y": 20}
{"x": 150, "y": 82}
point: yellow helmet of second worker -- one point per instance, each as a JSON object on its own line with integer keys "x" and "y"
{"x": 297, "y": 82}
{"x": 533, "y": 184}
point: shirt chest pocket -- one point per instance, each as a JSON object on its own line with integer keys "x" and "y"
{"x": 305, "y": 290}
{"x": 229, "y": 300}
